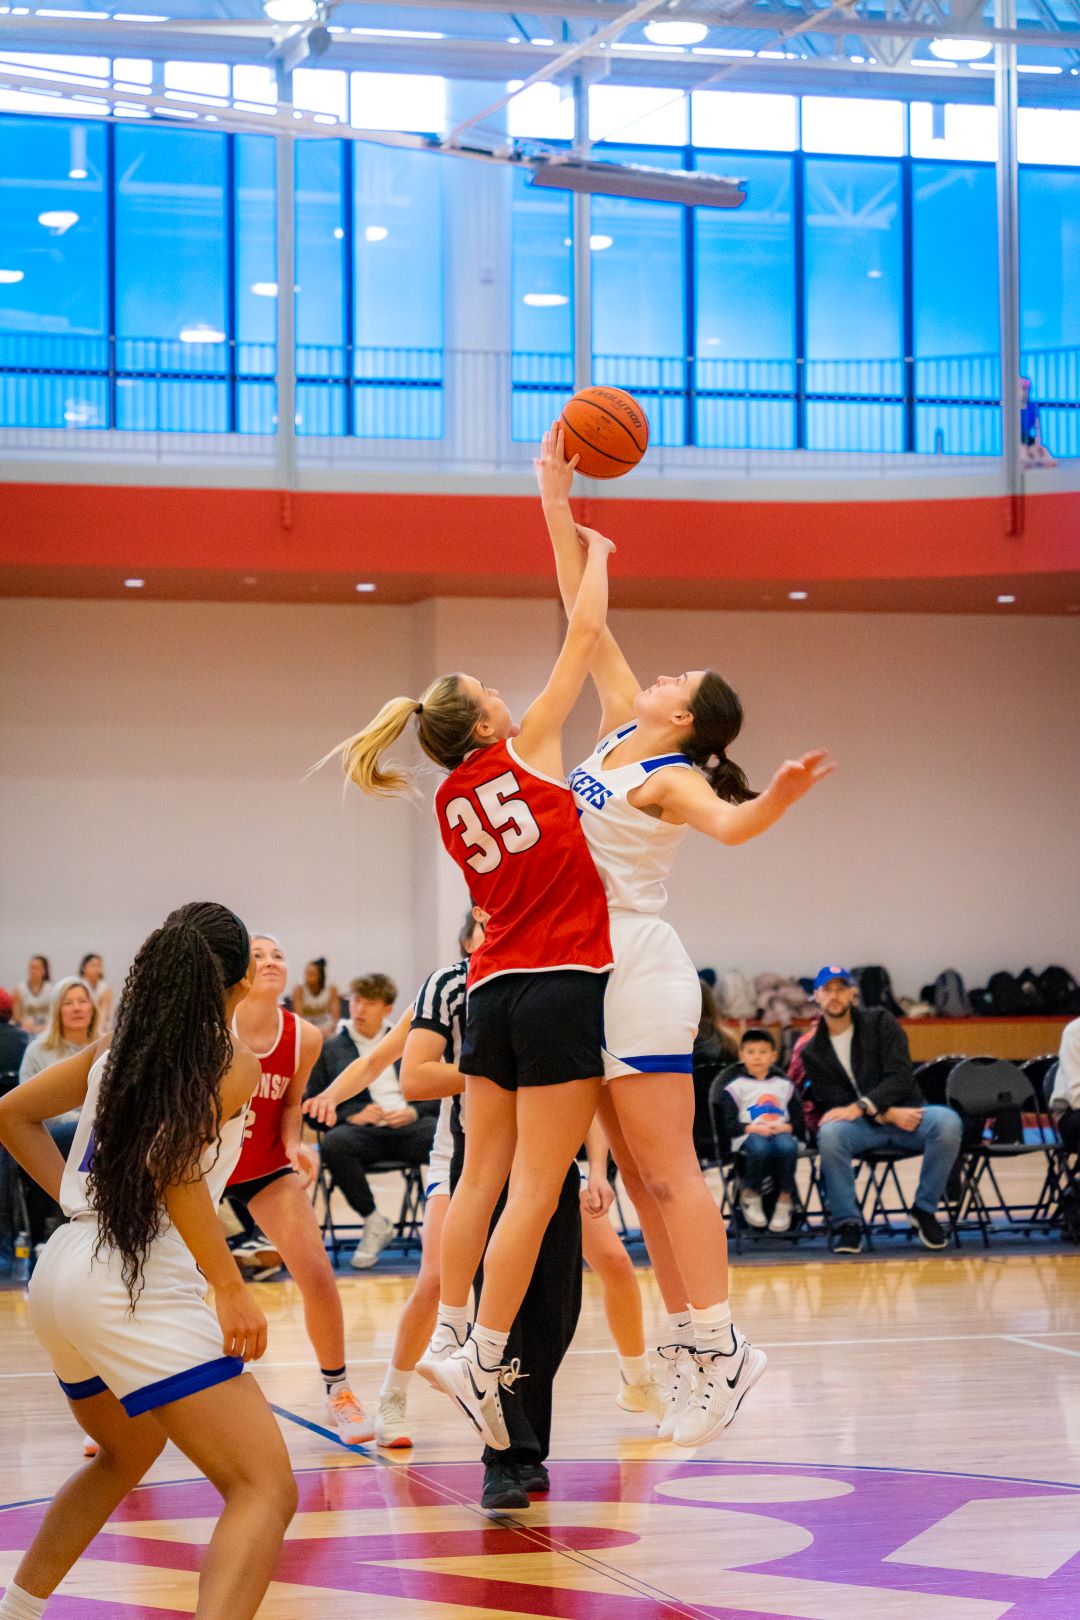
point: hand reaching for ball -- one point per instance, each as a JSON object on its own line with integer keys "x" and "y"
{"x": 554, "y": 472}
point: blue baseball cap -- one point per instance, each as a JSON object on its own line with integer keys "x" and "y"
{"x": 826, "y": 973}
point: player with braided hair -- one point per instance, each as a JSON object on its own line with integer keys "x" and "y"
{"x": 117, "y": 1296}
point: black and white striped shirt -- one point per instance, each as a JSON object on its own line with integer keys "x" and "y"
{"x": 440, "y": 1006}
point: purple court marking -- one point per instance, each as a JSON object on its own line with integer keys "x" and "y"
{"x": 877, "y": 1511}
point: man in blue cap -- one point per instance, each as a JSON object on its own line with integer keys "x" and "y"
{"x": 861, "y": 1084}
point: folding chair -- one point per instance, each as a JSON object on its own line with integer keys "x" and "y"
{"x": 981, "y": 1089}
{"x": 410, "y": 1214}
{"x": 879, "y": 1214}
{"x": 933, "y": 1074}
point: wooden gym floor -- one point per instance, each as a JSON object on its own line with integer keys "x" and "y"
{"x": 913, "y": 1453}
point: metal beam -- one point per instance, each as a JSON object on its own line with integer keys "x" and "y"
{"x": 1008, "y": 225}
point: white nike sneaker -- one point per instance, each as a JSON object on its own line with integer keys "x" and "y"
{"x": 444, "y": 1341}
{"x": 679, "y": 1373}
{"x": 347, "y": 1416}
{"x": 649, "y": 1397}
{"x": 378, "y": 1230}
{"x": 475, "y": 1387}
{"x": 725, "y": 1379}
{"x": 391, "y": 1429}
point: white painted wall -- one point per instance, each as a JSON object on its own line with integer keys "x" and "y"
{"x": 152, "y": 753}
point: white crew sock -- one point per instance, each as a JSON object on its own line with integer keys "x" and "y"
{"x": 635, "y": 1369}
{"x": 19, "y": 1605}
{"x": 455, "y": 1317}
{"x": 489, "y": 1346}
{"x": 712, "y": 1328}
{"x": 396, "y": 1381}
{"x": 677, "y": 1326}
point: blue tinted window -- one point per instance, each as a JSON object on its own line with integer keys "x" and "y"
{"x": 854, "y": 260}
{"x": 541, "y": 306}
{"x": 1049, "y": 306}
{"x": 170, "y": 249}
{"x": 954, "y": 222}
{"x": 320, "y": 254}
{"x": 256, "y": 249}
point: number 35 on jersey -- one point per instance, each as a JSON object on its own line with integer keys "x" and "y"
{"x": 493, "y": 821}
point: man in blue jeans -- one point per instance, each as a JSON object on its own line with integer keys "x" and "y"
{"x": 860, "y": 1083}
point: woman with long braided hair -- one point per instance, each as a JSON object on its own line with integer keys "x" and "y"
{"x": 117, "y": 1299}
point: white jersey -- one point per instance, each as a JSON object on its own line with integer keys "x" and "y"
{"x": 633, "y": 851}
{"x": 217, "y": 1163}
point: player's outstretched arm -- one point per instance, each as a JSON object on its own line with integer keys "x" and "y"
{"x": 615, "y": 682}
{"x": 359, "y": 1074}
{"x": 540, "y": 740}
{"x": 685, "y": 796}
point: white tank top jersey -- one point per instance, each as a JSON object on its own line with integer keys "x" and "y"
{"x": 218, "y": 1160}
{"x": 633, "y": 851}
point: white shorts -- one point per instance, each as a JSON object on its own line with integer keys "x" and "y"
{"x": 653, "y": 1004}
{"x": 170, "y": 1346}
{"x": 442, "y": 1151}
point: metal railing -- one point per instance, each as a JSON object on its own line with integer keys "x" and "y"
{"x": 454, "y": 407}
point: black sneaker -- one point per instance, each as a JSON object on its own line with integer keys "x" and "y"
{"x": 928, "y": 1228}
{"x": 534, "y": 1478}
{"x": 503, "y": 1487}
{"x": 847, "y": 1239}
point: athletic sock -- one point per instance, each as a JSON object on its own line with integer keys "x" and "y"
{"x": 334, "y": 1379}
{"x": 396, "y": 1381}
{"x": 677, "y": 1326}
{"x": 635, "y": 1369}
{"x": 19, "y": 1605}
{"x": 489, "y": 1346}
{"x": 455, "y": 1317}
{"x": 712, "y": 1328}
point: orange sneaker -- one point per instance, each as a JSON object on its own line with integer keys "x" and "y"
{"x": 347, "y": 1417}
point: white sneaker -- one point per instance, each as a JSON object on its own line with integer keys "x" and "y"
{"x": 475, "y": 1387}
{"x": 781, "y": 1216}
{"x": 679, "y": 1374}
{"x": 649, "y": 1397}
{"x": 378, "y": 1231}
{"x": 348, "y": 1418}
{"x": 751, "y": 1206}
{"x": 391, "y": 1429}
{"x": 726, "y": 1379}
{"x": 444, "y": 1341}
{"x": 257, "y": 1254}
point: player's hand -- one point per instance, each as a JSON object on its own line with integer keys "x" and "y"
{"x": 554, "y": 473}
{"x": 593, "y": 540}
{"x": 797, "y": 776}
{"x": 305, "y": 1161}
{"x": 323, "y": 1108}
{"x": 597, "y": 1195}
{"x": 243, "y": 1325}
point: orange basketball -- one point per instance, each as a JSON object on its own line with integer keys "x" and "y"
{"x": 607, "y": 428}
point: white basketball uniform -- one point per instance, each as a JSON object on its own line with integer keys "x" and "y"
{"x": 169, "y": 1346}
{"x": 653, "y": 1004}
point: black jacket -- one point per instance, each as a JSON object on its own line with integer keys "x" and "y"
{"x": 337, "y": 1053}
{"x": 880, "y": 1060}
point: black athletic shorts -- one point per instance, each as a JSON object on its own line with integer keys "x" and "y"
{"x": 245, "y": 1191}
{"x": 536, "y": 1029}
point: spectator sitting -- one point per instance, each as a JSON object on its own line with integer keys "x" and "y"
{"x": 317, "y": 1000}
{"x": 762, "y": 1118}
{"x": 713, "y": 1050}
{"x": 862, "y": 1086}
{"x": 92, "y": 969}
{"x": 1033, "y": 453}
{"x": 13, "y": 1043}
{"x": 375, "y": 1125}
{"x": 74, "y": 1018}
{"x": 33, "y": 996}
{"x": 1065, "y": 1098}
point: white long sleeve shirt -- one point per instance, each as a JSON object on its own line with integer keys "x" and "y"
{"x": 1066, "y": 1093}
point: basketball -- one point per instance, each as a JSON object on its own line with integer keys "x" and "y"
{"x": 607, "y": 429}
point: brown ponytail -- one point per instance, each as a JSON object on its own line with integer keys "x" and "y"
{"x": 718, "y": 718}
{"x": 446, "y": 718}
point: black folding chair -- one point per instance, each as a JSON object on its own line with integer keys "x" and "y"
{"x": 882, "y": 1204}
{"x": 410, "y": 1219}
{"x": 982, "y": 1089}
{"x": 933, "y": 1074}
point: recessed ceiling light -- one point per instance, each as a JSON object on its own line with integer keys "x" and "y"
{"x": 365, "y": 586}
{"x": 599, "y": 242}
{"x": 58, "y": 220}
{"x": 375, "y": 233}
{"x": 545, "y": 300}
{"x": 1005, "y": 601}
{"x": 875, "y": 275}
{"x": 960, "y": 50}
{"x": 249, "y": 579}
{"x": 134, "y": 584}
{"x": 77, "y": 174}
{"x": 798, "y": 596}
{"x": 8, "y": 278}
{"x": 201, "y": 334}
{"x": 264, "y": 289}
{"x": 290, "y": 11}
{"x": 675, "y": 33}
{"x": 338, "y": 233}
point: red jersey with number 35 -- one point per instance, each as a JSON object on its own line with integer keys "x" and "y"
{"x": 517, "y": 838}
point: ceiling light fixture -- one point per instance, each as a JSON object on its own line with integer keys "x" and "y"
{"x": 798, "y": 596}
{"x": 264, "y": 289}
{"x": 1006, "y": 601}
{"x": 599, "y": 242}
{"x": 676, "y": 33}
{"x": 11, "y": 278}
{"x": 365, "y": 587}
{"x": 545, "y": 300}
{"x": 134, "y": 584}
{"x": 960, "y": 50}
{"x": 290, "y": 11}
{"x": 375, "y": 233}
{"x": 77, "y": 174}
{"x": 58, "y": 220}
{"x": 201, "y": 334}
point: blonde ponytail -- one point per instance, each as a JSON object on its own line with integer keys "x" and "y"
{"x": 446, "y": 720}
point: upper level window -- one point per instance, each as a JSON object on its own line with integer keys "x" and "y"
{"x": 745, "y": 120}
{"x": 637, "y": 115}
{"x": 853, "y": 124}
{"x": 949, "y": 130}
{"x": 405, "y": 101}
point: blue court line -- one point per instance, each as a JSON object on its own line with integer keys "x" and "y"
{"x": 327, "y": 1434}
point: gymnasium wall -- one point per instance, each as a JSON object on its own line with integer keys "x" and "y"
{"x": 153, "y": 752}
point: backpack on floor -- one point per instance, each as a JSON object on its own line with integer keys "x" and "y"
{"x": 1007, "y": 998}
{"x": 950, "y": 999}
{"x": 736, "y": 995}
{"x": 1029, "y": 989}
{"x": 982, "y": 1004}
{"x": 1060, "y": 992}
{"x": 875, "y": 989}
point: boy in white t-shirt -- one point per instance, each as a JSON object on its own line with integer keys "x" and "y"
{"x": 763, "y": 1120}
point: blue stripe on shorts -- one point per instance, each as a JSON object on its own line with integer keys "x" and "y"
{"x": 83, "y": 1391}
{"x": 660, "y": 1063}
{"x": 177, "y": 1385}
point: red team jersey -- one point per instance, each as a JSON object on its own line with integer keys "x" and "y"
{"x": 517, "y": 838}
{"x": 263, "y": 1151}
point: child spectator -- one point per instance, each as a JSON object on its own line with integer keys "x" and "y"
{"x": 763, "y": 1120}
